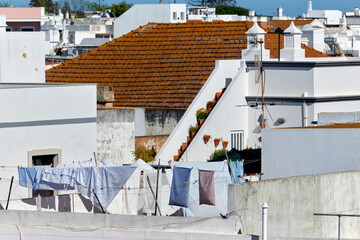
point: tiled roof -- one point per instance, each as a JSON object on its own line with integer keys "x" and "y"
{"x": 157, "y": 66}
{"x": 284, "y": 24}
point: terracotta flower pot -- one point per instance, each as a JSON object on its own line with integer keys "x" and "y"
{"x": 225, "y": 144}
{"x": 192, "y": 134}
{"x": 201, "y": 121}
{"x": 216, "y": 142}
{"x": 206, "y": 138}
{"x": 218, "y": 95}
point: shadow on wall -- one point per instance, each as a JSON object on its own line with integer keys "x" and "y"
{"x": 64, "y": 203}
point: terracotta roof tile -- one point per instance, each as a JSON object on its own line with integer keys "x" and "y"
{"x": 160, "y": 66}
{"x": 284, "y": 24}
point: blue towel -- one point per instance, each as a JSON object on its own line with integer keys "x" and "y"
{"x": 27, "y": 178}
{"x": 180, "y": 186}
{"x": 238, "y": 169}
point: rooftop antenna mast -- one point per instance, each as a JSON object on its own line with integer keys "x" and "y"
{"x": 262, "y": 86}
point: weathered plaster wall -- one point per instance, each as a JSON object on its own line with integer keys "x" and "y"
{"x": 116, "y": 135}
{"x": 161, "y": 121}
{"x": 157, "y": 121}
{"x": 151, "y": 141}
{"x": 293, "y": 201}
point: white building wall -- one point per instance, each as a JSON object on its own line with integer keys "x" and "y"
{"x": 215, "y": 83}
{"x": 80, "y": 35}
{"x": 293, "y": 201}
{"x": 38, "y": 117}
{"x": 226, "y": 117}
{"x": 25, "y": 57}
{"x": 141, "y": 14}
{"x": 336, "y": 80}
{"x": 295, "y": 152}
{"x": 283, "y": 81}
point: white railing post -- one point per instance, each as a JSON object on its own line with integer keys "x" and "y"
{"x": 264, "y": 208}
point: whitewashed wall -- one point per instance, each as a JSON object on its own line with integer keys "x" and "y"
{"x": 227, "y": 116}
{"x": 25, "y": 57}
{"x": 142, "y": 14}
{"x": 215, "y": 83}
{"x": 336, "y": 80}
{"x": 116, "y": 135}
{"x": 295, "y": 152}
{"x": 38, "y": 117}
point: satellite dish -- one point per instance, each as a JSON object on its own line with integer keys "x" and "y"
{"x": 257, "y": 69}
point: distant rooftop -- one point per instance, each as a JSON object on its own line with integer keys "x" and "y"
{"x": 21, "y": 13}
{"x": 336, "y": 125}
{"x": 162, "y": 65}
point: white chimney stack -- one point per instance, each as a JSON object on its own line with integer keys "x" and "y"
{"x": 280, "y": 12}
{"x": 3, "y": 49}
{"x": 255, "y": 36}
{"x": 292, "y": 44}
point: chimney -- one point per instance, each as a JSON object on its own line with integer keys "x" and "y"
{"x": 255, "y": 35}
{"x": 3, "y": 49}
{"x": 280, "y": 12}
{"x": 292, "y": 44}
{"x": 105, "y": 96}
{"x": 309, "y": 6}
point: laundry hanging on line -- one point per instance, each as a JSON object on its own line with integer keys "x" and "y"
{"x": 206, "y": 187}
{"x": 105, "y": 181}
{"x": 180, "y": 186}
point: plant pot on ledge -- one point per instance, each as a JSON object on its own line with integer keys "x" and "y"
{"x": 206, "y": 138}
{"x": 216, "y": 141}
{"x": 193, "y": 130}
{"x": 225, "y": 144}
{"x": 201, "y": 121}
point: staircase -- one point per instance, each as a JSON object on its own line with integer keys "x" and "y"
{"x": 189, "y": 138}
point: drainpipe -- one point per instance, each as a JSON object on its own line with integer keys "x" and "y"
{"x": 304, "y": 111}
{"x": 3, "y": 49}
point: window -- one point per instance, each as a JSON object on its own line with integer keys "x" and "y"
{"x": 174, "y": 16}
{"x": 8, "y": 29}
{"x": 27, "y": 29}
{"x": 182, "y": 16}
{"x": 237, "y": 139}
{"x": 43, "y": 157}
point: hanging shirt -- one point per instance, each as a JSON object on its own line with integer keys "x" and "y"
{"x": 180, "y": 186}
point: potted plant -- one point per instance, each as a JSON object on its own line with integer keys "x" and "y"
{"x": 225, "y": 144}
{"x": 201, "y": 114}
{"x": 210, "y": 105}
{"x": 193, "y": 130}
{"x": 217, "y": 153}
{"x": 206, "y": 138}
{"x": 216, "y": 141}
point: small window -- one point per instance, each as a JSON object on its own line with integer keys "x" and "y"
{"x": 27, "y": 29}
{"x": 174, "y": 16}
{"x": 8, "y": 29}
{"x": 237, "y": 140}
{"x": 44, "y": 160}
{"x": 182, "y": 16}
{"x": 43, "y": 157}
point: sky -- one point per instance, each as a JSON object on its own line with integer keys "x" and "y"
{"x": 292, "y": 8}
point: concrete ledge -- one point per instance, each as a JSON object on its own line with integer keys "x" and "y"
{"x": 118, "y": 222}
